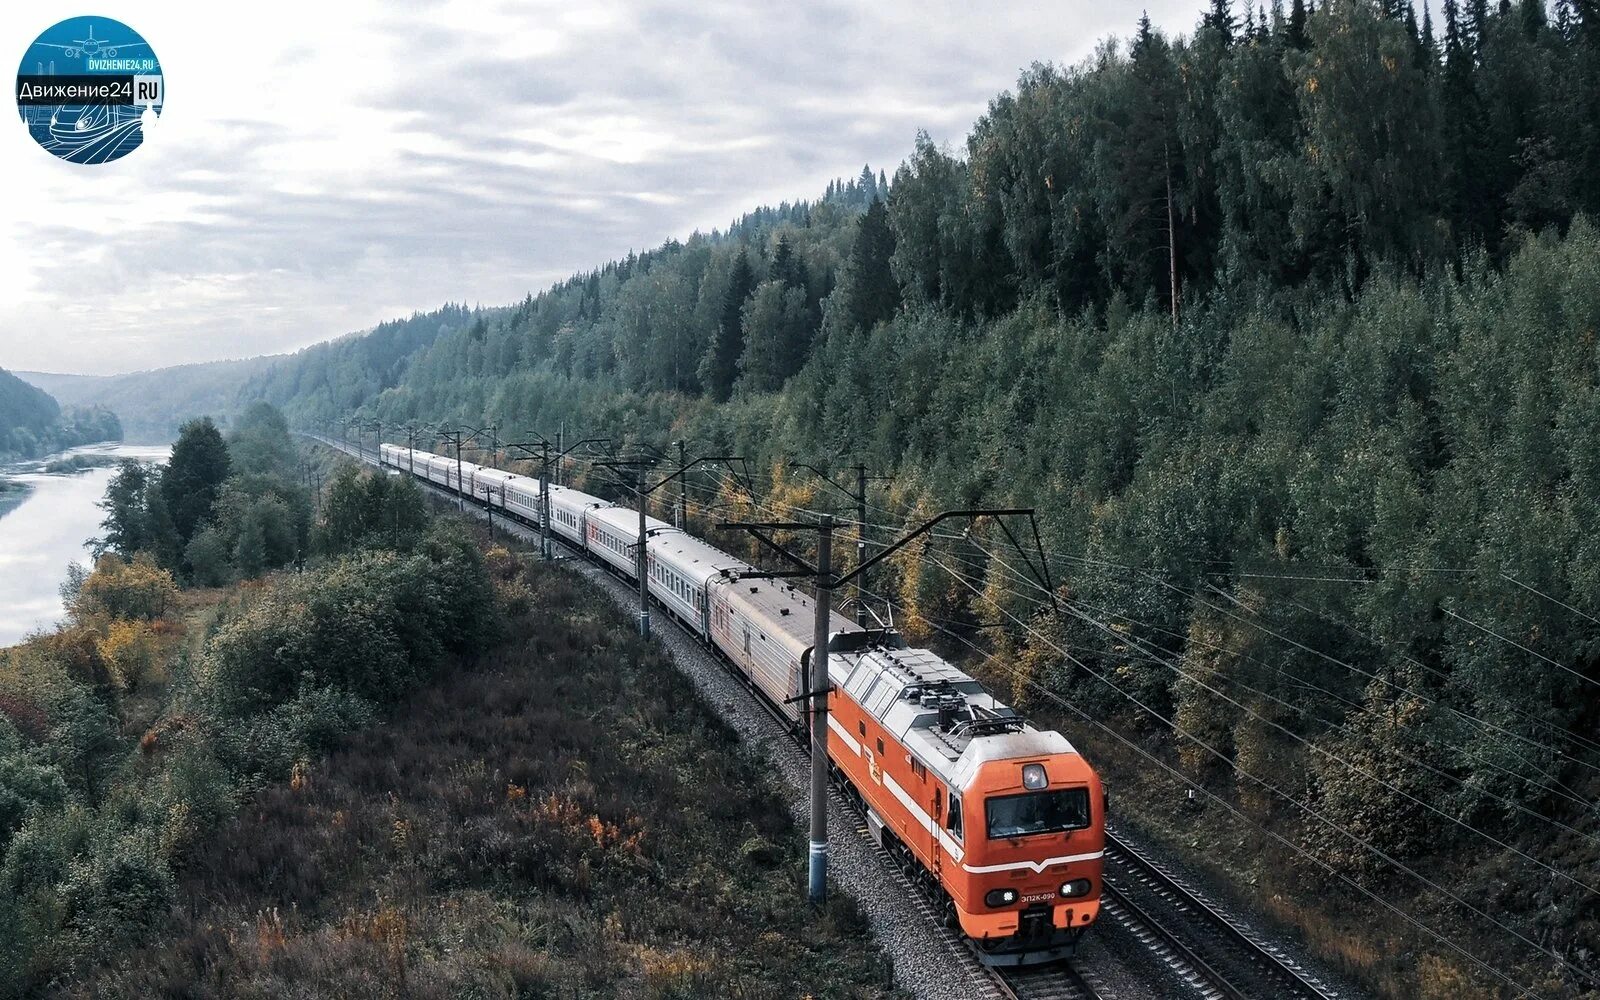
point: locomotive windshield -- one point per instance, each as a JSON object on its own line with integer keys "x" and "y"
{"x": 1031, "y": 813}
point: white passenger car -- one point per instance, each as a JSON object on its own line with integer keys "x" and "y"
{"x": 569, "y": 511}
{"x": 682, "y": 570}
{"x": 613, "y": 535}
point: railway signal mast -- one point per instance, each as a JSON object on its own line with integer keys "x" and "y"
{"x": 827, "y": 582}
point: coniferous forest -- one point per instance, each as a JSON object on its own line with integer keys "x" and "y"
{"x": 1287, "y": 326}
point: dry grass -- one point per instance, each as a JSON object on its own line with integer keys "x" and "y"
{"x": 564, "y": 820}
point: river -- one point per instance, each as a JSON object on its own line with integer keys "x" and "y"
{"x": 45, "y": 533}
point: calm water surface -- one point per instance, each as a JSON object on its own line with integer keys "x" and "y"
{"x": 46, "y": 532}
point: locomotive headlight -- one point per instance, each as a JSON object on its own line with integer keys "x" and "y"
{"x": 1000, "y": 897}
{"x": 1075, "y": 888}
{"x": 1033, "y": 777}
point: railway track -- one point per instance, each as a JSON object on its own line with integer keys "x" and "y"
{"x": 1212, "y": 952}
{"x": 1200, "y": 943}
{"x": 1050, "y": 982}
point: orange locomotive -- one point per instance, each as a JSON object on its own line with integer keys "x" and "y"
{"x": 1005, "y": 822}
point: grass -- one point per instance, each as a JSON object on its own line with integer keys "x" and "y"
{"x": 566, "y": 818}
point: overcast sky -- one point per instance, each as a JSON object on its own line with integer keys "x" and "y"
{"x": 321, "y": 167}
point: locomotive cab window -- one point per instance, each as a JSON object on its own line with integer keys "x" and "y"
{"x": 1033, "y": 813}
{"x": 952, "y": 817}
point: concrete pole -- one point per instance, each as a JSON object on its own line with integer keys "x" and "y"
{"x": 819, "y": 716}
{"x": 461, "y": 485}
{"x": 544, "y": 504}
{"x": 644, "y": 580}
{"x": 682, "y": 511}
{"x": 861, "y": 544}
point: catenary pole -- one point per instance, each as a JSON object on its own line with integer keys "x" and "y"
{"x": 819, "y": 716}
{"x": 544, "y": 504}
{"x": 643, "y": 568}
{"x": 642, "y": 492}
{"x": 861, "y": 543}
{"x": 461, "y": 485}
{"x": 859, "y": 497}
{"x": 683, "y": 490}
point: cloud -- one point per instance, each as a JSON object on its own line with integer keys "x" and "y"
{"x": 333, "y": 165}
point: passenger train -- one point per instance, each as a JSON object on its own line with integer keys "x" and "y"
{"x": 1002, "y": 822}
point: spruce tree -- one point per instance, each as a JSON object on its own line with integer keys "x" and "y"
{"x": 873, "y": 295}
{"x": 1220, "y": 18}
{"x": 1533, "y": 18}
{"x": 1297, "y": 37}
{"x": 194, "y": 476}
{"x": 720, "y": 369}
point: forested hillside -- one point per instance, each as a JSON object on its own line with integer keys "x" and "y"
{"x": 32, "y": 423}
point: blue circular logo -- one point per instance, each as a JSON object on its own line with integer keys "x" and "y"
{"x": 89, "y": 88}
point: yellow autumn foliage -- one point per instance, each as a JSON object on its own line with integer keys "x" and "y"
{"x": 116, "y": 589}
{"x": 131, "y": 653}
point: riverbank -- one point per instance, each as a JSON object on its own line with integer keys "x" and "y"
{"x": 46, "y": 520}
{"x": 12, "y": 492}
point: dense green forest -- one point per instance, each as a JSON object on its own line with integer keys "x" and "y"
{"x": 33, "y": 424}
{"x": 1287, "y": 326}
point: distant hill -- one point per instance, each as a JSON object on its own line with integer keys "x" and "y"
{"x": 33, "y": 423}
{"x": 152, "y": 404}
{"x": 327, "y": 379}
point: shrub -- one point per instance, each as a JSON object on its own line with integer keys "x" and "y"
{"x": 372, "y": 625}
{"x": 118, "y": 888}
{"x": 117, "y": 589}
{"x": 266, "y": 747}
{"x": 83, "y": 740}
{"x": 208, "y": 558}
{"x": 26, "y": 786}
{"x": 130, "y": 653}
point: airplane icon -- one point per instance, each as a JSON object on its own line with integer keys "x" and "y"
{"x": 92, "y": 46}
